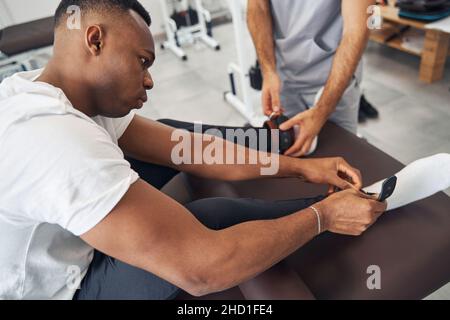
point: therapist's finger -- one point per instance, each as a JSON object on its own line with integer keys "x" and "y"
{"x": 276, "y": 103}
{"x": 306, "y": 147}
{"x": 297, "y": 146}
{"x": 267, "y": 102}
{"x": 289, "y": 123}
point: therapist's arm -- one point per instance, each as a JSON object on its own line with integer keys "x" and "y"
{"x": 348, "y": 55}
{"x": 346, "y": 60}
{"x": 260, "y": 25}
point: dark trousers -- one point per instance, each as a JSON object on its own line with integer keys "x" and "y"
{"x": 111, "y": 279}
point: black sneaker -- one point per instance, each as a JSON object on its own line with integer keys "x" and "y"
{"x": 367, "y": 108}
{"x": 361, "y": 116}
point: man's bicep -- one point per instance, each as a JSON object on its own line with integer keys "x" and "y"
{"x": 148, "y": 140}
{"x": 151, "y": 231}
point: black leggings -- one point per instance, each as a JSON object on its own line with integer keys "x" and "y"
{"x": 111, "y": 279}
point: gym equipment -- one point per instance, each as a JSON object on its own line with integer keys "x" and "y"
{"x": 256, "y": 78}
{"x": 25, "y": 46}
{"x": 186, "y": 26}
{"x": 245, "y": 78}
{"x": 425, "y": 10}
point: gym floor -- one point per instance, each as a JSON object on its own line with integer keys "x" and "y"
{"x": 414, "y": 117}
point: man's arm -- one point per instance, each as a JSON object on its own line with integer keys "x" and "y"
{"x": 348, "y": 55}
{"x": 260, "y": 25}
{"x": 150, "y": 231}
{"x": 150, "y": 141}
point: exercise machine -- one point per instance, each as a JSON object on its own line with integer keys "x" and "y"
{"x": 187, "y": 25}
{"x": 25, "y": 46}
{"x": 244, "y": 75}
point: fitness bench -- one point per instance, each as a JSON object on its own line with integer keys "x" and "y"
{"x": 410, "y": 245}
{"x": 26, "y": 36}
{"x": 25, "y": 46}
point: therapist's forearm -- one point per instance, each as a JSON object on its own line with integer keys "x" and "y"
{"x": 260, "y": 25}
{"x": 348, "y": 54}
{"x": 345, "y": 63}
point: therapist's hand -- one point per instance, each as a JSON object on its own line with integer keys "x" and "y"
{"x": 335, "y": 172}
{"x": 310, "y": 123}
{"x": 271, "y": 94}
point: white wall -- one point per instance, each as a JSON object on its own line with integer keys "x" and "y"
{"x": 27, "y": 10}
{"x": 153, "y": 6}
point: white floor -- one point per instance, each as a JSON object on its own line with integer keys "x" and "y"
{"x": 414, "y": 117}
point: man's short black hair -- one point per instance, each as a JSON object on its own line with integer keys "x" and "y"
{"x": 102, "y": 6}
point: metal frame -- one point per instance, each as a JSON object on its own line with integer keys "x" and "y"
{"x": 176, "y": 37}
{"x": 243, "y": 100}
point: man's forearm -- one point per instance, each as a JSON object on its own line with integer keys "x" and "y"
{"x": 200, "y": 154}
{"x": 348, "y": 55}
{"x": 260, "y": 25}
{"x": 243, "y": 164}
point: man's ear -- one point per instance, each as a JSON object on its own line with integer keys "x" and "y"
{"x": 94, "y": 39}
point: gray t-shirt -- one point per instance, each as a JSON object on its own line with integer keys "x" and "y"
{"x": 307, "y": 34}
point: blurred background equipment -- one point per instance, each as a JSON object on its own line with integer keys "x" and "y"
{"x": 25, "y": 46}
{"x": 425, "y": 10}
{"x": 186, "y": 23}
{"x": 429, "y": 41}
{"x": 245, "y": 77}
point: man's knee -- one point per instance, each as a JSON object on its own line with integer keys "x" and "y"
{"x": 155, "y": 175}
{"x": 111, "y": 279}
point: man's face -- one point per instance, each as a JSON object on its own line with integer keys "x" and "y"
{"x": 121, "y": 78}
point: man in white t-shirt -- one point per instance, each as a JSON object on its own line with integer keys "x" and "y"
{"x": 66, "y": 187}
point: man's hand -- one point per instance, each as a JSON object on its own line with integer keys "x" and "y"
{"x": 271, "y": 94}
{"x": 310, "y": 123}
{"x": 349, "y": 212}
{"x": 335, "y": 172}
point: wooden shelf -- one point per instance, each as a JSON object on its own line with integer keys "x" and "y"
{"x": 436, "y": 43}
{"x": 388, "y": 30}
{"x": 391, "y": 14}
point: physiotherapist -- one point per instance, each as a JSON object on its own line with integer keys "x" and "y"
{"x": 310, "y": 55}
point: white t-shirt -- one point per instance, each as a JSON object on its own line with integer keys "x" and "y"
{"x": 61, "y": 173}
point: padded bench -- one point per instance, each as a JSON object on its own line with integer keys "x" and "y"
{"x": 26, "y": 36}
{"x": 411, "y": 245}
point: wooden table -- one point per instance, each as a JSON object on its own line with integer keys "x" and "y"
{"x": 436, "y": 46}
